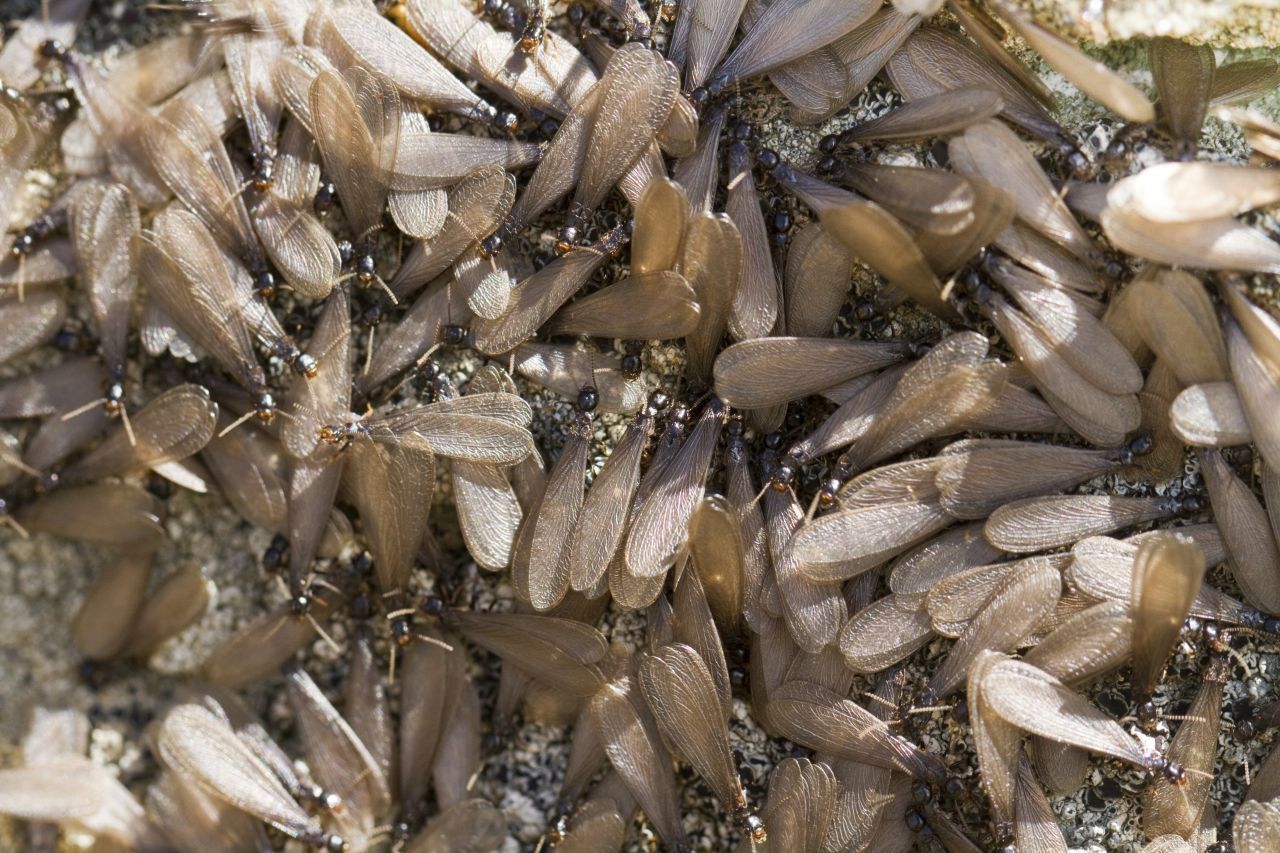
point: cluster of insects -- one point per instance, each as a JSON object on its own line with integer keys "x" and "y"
{"x": 277, "y": 222}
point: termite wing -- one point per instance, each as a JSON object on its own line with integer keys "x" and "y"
{"x": 1055, "y": 521}
{"x": 105, "y": 227}
{"x": 552, "y": 79}
{"x": 605, "y": 133}
{"x": 1167, "y": 574}
{"x": 197, "y": 743}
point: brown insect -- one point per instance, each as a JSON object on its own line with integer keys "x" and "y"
{"x": 198, "y": 744}
{"x": 599, "y": 140}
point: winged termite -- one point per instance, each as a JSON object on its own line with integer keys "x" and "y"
{"x": 488, "y": 510}
{"x": 950, "y": 552}
{"x": 990, "y": 34}
{"x": 557, "y": 517}
{"x": 294, "y": 239}
{"x": 113, "y": 514}
{"x": 551, "y": 79}
{"x": 635, "y": 749}
{"x": 536, "y": 298}
{"x": 784, "y": 32}
{"x": 814, "y": 608}
{"x": 824, "y": 81}
{"x": 250, "y": 59}
{"x": 476, "y": 205}
{"x": 712, "y": 262}
{"x": 1167, "y": 573}
{"x": 1244, "y": 530}
{"x": 1183, "y": 74}
{"x": 200, "y": 291}
{"x": 1089, "y": 75}
{"x": 414, "y": 338}
{"x": 602, "y": 520}
{"x": 701, "y": 37}
{"x": 564, "y": 370}
{"x": 864, "y": 534}
{"x": 927, "y": 199}
{"x": 355, "y": 119}
{"x": 699, "y": 171}
{"x": 1053, "y": 521}
{"x": 715, "y": 544}
{"x": 871, "y": 234}
{"x": 679, "y": 690}
{"x": 37, "y": 36}
{"x": 177, "y": 603}
{"x": 1176, "y": 809}
{"x": 196, "y": 743}
{"x": 338, "y": 759}
{"x": 27, "y": 323}
{"x": 192, "y": 820}
{"x": 173, "y": 426}
{"x": 955, "y": 601}
{"x": 601, "y": 138}
{"x": 458, "y": 761}
{"x": 1016, "y": 606}
{"x": 104, "y": 228}
{"x": 801, "y": 805}
{"x": 815, "y": 281}
{"x": 470, "y": 825}
{"x": 356, "y": 37}
{"x": 660, "y": 305}
{"x": 933, "y": 61}
{"x": 1179, "y": 324}
{"x": 1036, "y": 702}
{"x": 998, "y": 745}
{"x": 990, "y": 150}
{"x": 817, "y": 718}
{"x": 258, "y": 649}
{"x": 766, "y": 371}
{"x": 432, "y": 679}
{"x": 937, "y": 395}
{"x": 977, "y": 476}
{"x": 105, "y": 620}
{"x": 661, "y": 523}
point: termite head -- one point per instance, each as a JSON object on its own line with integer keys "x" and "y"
{"x": 265, "y": 407}
{"x": 432, "y": 605}
{"x": 113, "y": 398}
{"x": 366, "y": 269}
{"x": 506, "y": 120}
{"x": 784, "y": 473}
{"x": 491, "y": 245}
{"x": 264, "y": 170}
{"x": 1140, "y": 445}
{"x": 1171, "y": 771}
{"x": 300, "y": 604}
{"x": 273, "y": 557}
{"x": 454, "y": 335}
{"x": 325, "y": 195}
{"x": 306, "y": 365}
{"x": 829, "y": 143}
{"x": 588, "y": 398}
{"x": 567, "y": 237}
{"x": 401, "y": 631}
{"x": 264, "y": 285}
{"x": 631, "y": 365}
{"x": 1146, "y": 713}
{"x": 1076, "y": 161}
{"x": 54, "y": 49}
{"x": 755, "y": 828}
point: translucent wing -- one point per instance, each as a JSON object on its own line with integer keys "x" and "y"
{"x": 173, "y": 426}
